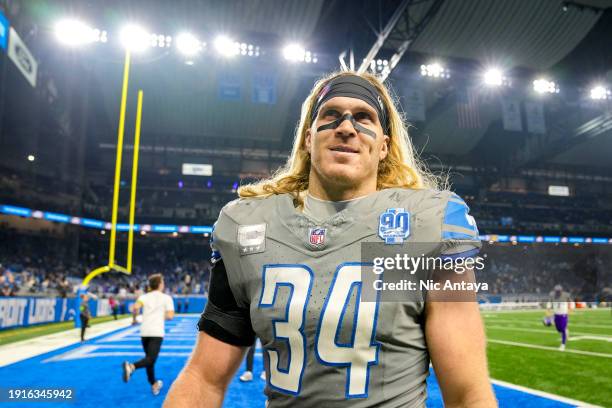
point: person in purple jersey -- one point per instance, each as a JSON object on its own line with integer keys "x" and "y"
{"x": 558, "y": 306}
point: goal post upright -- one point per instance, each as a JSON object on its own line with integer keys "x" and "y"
{"x": 134, "y": 182}
{"x": 117, "y": 182}
{"x": 112, "y": 265}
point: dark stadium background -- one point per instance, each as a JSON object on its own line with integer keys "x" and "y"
{"x": 69, "y": 121}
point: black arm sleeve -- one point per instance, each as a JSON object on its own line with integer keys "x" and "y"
{"x": 223, "y": 319}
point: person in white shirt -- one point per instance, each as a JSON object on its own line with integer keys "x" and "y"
{"x": 156, "y": 307}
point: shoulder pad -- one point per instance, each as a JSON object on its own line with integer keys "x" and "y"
{"x": 249, "y": 210}
{"x": 457, "y": 222}
{"x": 417, "y": 199}
{"x": 401, "y": 195}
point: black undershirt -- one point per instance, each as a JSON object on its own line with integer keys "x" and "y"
{"x": 223, "y": 319}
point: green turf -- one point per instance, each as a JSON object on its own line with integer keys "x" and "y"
{"x": 577, "y": 376}
{"x": 24, "y": 333}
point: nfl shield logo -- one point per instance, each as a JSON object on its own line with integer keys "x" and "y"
{"x": 317, "y": 236}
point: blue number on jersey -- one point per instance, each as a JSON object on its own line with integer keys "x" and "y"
{"x": 357, "y": 356}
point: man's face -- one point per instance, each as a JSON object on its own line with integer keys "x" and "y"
{"x": 343, "y": 156}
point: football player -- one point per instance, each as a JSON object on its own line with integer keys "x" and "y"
{"x": 558, "y": 306}
{"x": 287, "y": 267}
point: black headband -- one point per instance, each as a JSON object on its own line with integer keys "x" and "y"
{"x": 353, "y": 86}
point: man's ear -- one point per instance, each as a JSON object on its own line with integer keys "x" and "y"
{"x": 308, "y": 141}
{"x": 384, "y": 149}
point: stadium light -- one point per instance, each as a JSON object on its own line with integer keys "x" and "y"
{"x": 600, "y": 92}
{"x": 493, "y": 77}
{"x": 248, "y": 49}
{"x": 294, "y": 53}
{"x": 135, "y": 38}
{"x": 379, "y": 66}
{"x": 160, "y": 40}
{"x": 31, "y": 157}
{"x": 74, "y": 33}
{"x": 188, "y": 44}
{"x": 103, "y": 37}
{"x": 435, "y": 70}
{"x": 226, "y": 46}
{"x": 542, "y": 85}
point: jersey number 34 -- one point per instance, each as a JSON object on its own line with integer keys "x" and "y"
{"x": 357, "y": 355}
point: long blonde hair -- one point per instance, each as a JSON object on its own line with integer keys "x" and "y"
{"x": 401, "y": 167}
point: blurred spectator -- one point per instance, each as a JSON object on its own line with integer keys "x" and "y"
{"x": 114, "y": 305}
{"x": 45, "y": 264}
{"x": 7, "y": 290}
{"x": 523, "y": 270}
{"x": 84, "y": 315}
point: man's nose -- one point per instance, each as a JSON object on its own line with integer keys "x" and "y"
{"x": 346, "y": 127}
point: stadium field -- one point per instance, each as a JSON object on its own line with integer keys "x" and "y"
{"x": 523, "y": 351}
{"x": 93, "y": 368}
{"x": 24, "y": 333}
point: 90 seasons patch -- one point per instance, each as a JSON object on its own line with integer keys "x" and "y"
{"x": 394, "y": 226}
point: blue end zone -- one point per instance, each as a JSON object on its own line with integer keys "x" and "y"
{"x": 94, "y": 371}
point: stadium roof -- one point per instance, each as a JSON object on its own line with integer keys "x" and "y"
{"x": 523, "y": 36}
{"x": 518, "y": 33}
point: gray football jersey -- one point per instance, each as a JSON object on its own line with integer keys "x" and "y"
{"x": 323, "y": 346}
{"x": 560, "y": 303}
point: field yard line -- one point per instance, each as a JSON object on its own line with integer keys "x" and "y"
{"x": 139, "y": 347}
{"x": 21, "y": 350}
{"x": 541, "y": 309}
{"x": 87, "y": 354}
{"x": 551, "y": 331}
{"x": 571, "y": 323}
{"x": 544, "y": 394}
{"x": 589, "y": 337}
{"x": 167, "y": 338}
{"x": 512, "y": 310}
{"x": 535, "y": 346}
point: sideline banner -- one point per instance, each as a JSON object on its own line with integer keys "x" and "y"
{"x": 27, "y": 311}
{"x": 22, "y": 57}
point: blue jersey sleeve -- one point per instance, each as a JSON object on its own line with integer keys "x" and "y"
{"x": 460, "y": 236}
